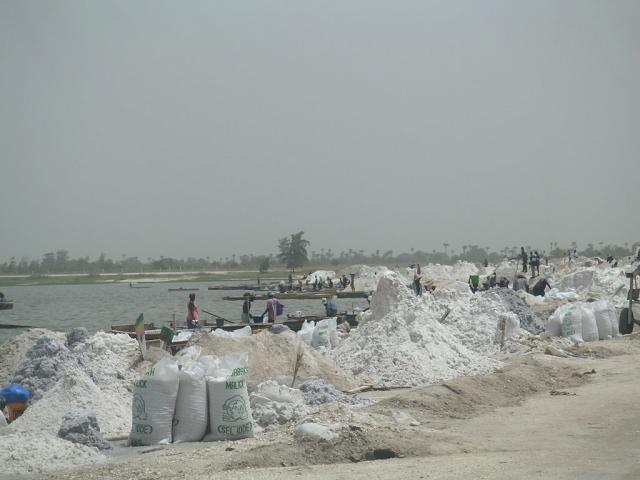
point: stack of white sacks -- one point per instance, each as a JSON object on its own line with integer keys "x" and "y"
{"x": 192, "y": 398}
{"x": 584, "y": 321}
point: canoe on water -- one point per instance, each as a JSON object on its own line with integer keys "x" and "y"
{"x": 6, "y": 305}
{"x": 287, "y": 295}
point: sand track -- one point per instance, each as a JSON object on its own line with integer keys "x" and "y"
{"x": 502, "y": 425}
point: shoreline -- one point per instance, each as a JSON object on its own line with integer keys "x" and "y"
{"x": 138, "y": 277}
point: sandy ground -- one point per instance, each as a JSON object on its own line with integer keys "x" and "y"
{"x": 501, "y": 426}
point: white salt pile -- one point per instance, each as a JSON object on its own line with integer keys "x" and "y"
{"x": 93, "y": 372}
{"x": 323, "y": 275}
{"x": 366, "y": 277}
{"x": 446, "y": 274}
{"x": 318, "y": 392}
{"x": 273, "y": 404}
{"x": 405, "y": 343}
{"x": 514, "y": 303}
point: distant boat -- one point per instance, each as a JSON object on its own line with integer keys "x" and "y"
{"x": 135, "y": 285}
{"x": 181, "y": 289}
{"x": 6, "y": 305}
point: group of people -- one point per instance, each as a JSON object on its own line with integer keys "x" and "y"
{"x": 520, "y": 282}
{"x": 341, "y": 282}
{"x": 533, "y": 260}
{"x": 272, "y": 310}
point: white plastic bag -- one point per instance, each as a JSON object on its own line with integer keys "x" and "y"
{"x": 322, "y": 332}
{"x": 572, "y": 324}
{"x": 589, "y": 325}
{"x": 191, "y": 415}
{"x": 306, "y": 331}
{"x": 188, "y": 356}
{"x": 554, "y": 325}
{"x": 601, "y": 312}
{"x": 3, "y": 421}
{"x": 229, "y": 408}
{"x": 154, "y": 401}
{"x": 613, "y": 319}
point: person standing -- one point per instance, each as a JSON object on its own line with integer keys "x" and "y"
{"x": 353, "y": 281}
{"x": 271, "y": 310}
{"x": 246, "y": 308}
{"x": 330, "y": 307}
{"x": 523, "y": 256}
{"x": 417, "y": 276}
{"x": 192, "y": 312}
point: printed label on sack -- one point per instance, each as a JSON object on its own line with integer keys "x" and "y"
{"x": 233, "y": 385}
{"x": 235, "y": 409}
{"x": 142, "y": 428}
{"x": 233, "y": 430}
{"x": 138, "y": 408}
{"x": 239, "y": 371}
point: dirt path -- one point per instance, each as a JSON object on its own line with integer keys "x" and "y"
{"x": 524, "y": 433}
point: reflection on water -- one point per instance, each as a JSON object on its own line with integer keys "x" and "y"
{"x": 97, "y": 307}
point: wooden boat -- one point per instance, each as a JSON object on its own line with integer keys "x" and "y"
{"x": 153, "y": 334}
{"x": 237, "y": 287}
{"x": 6, "y": 305}
{"x": 310, "y": 295}
{"x": 181, "y": 289}
{"x": 135, "y": 285}
{"x": 350, "y": 294}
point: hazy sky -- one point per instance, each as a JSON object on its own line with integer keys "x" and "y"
{"x": 184, "y": 128}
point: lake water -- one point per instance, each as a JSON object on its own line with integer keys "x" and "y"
{"x": 97, "y": 307}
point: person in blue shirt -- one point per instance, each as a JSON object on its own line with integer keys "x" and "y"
{"x": 330, "y": 307}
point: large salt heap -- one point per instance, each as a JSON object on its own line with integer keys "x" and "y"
{"x": 366, "y": 277}
{"x": 93, "y": 372}
{"x": 405, "y": 343}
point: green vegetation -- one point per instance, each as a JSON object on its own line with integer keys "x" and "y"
{"x": 59, "y": 268}
{"x": 293, "y": 250}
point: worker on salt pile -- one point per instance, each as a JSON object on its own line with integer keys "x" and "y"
{"x": 535, "y": 264}
{"x": 271, "y": 309}
{"x": 523, "y": 256}
{"x": 474, "y": 282}
{"x": 520, "y": 283}
{"x": 353, "y": 281}
{"x": 192, "y": 312}
{"x": 246, "y": 308}
{"x": 417, "y": 277}
{"x": 330, "y": 307}
{"x": 492, "y": 280}
{"x": 15, "y": 398}
{"x": 539, "y": 287}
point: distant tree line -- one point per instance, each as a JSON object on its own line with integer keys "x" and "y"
{"x": 292, "y": 254}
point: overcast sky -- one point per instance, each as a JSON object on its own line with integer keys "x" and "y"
{"x": 194, "y": 128}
